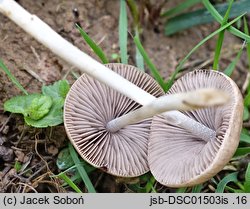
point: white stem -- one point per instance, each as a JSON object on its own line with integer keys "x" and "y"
{"x": 183, "y": 101}
{"x": 49, "y": 38}
{"x": 197, "y": 129}
{"x": 71, "y": 54}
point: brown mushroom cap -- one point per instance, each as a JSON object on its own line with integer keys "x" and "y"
{"x": 90, "y": 105}
{"x": 177, "y": 157}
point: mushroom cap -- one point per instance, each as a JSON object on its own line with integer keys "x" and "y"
{"x": 90, "y": 105}
{"x": 177, "y": 158}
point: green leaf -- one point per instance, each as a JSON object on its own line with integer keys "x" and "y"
{"x": 41, "y": 110}
{"x": 12, "y": 78}
{"x": 219, "y": 18}
{"x": 136, "y": 25}
{"x": 232, "y": 177}
{"x": 17, "y": 166}
{"x": 197, "y": 188}
{"x": 32, "y": 106}
{"x": 182, "y": 62}
{"x": 147, "y": 60}
{"x": 229, "y": 70}
{"x": 64, "y": 159}
{"x": 245, "y": 113}
{"x": 241, "y": 152}
{"x": 137, "y": 188}
{"x": 39, "y": 107}
{"x": 98, "y": 51}
{"x": 123, "y": 27}
{"x": 181, "y": 190}
{"x": 248, "y": 44}
{"x": 247, "y": 179}
{"x": 134, "y": 12}
{"x": 81, "y": 170}
{"x": 202, "y": 16}
{"x": 221, "y": 38}
{"x": 179, "y": 8}
{"x": 247, "y": 99}
{"x": 244, "y": 138}
{"x": 57, "y": 91}
{"x": 53, "y": 118}
{"x": 150, "y": 185}
{"x": 70, "y": 182}
{"x": 138, "y": 56}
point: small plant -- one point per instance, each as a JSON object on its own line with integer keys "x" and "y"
{"x": 41, "y": 110}
{"x": 73, "y": 169}
{"x": 236, "y": 186}
{"x": 178, "y": 20}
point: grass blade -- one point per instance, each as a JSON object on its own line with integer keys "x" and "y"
{"x": 232, "y": 177}
{"x": 247, "y": 99}
{"x": 241, "y": 152}
{"x": 221, "y": 38}
{"x": 12, "y": 77}
{"x": 149, "y": 63}
{"x": 219, "y": 18}
{"x": 98, "y": 51}
{"x": 138, "y": 56}
{"x": 229, "y": 70}
{"x": 123, "y": 35}
{"x": 150, "y": 185}
{"x": 81, "y": 170}
{"x": 202, "y": 16}
{"x": 69, "y": 182}
{"x": 247, "y": 179}
{"x": 179, "y": 67}
{"x": 244, "y": 138}
{"x": 179, "y": 8}
{"x": 245, "y": 113}
{"x": 139, "y": 60}
{"x": 136, "y": 25}
{"x": 197, "y": 188}
{"x": 181, "y": 190}
{"x": 134, "y": 12}
{"x": 248, "y": 44}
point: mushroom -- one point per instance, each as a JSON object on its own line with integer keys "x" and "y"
{"x": 49, "y": 38}
{"x": 177, "y": 157}
{"x": 90, "y": 105}
{"x": 111, "y": 131}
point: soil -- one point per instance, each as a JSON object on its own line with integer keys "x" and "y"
{"x": 34, "y": 65}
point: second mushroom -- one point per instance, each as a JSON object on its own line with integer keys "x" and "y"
{"x": 111, "y": 131}
{"x": 179, "y": 156}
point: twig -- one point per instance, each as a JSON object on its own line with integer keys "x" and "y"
{"x": 45, "y": 162}
{"x": 36, "y": 54}
{"x": 21, "y": 137}
{"x": 67, "y": 73}
{"x": 101, "y": 40}
{"x": 38, "y": 171}
{"x": 246, "y": 83}
{"x": 27, "y": 185}
{"x": 33, "y": 74}
{"x": 40, "y": 179}
{"x": 5, "y": 123}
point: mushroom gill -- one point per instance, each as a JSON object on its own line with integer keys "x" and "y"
{"x": 90, "y": 105}
{"x": 179, "y": 158}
